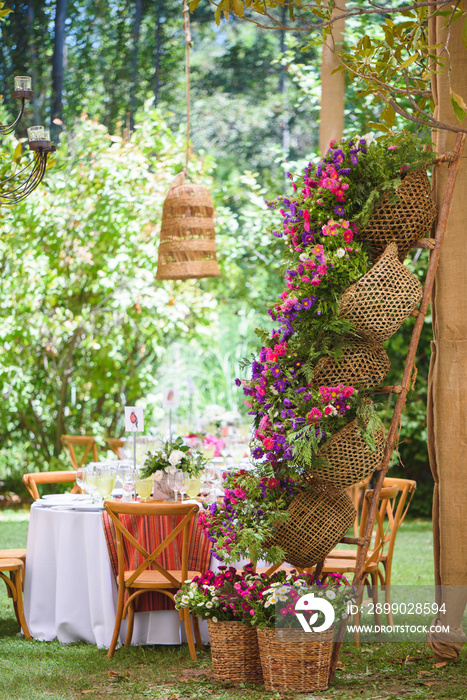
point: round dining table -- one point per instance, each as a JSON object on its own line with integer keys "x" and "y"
{"x": 70, "y": 591}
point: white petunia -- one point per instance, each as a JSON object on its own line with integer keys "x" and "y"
{"x": 330, "y": 594}
{"x": 340, "y": 253}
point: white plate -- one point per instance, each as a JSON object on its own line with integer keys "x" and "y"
{"x": 79, "y": 506}
{"x": 68, "y": 497}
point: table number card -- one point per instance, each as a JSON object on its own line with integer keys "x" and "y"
{"x": 134, "y": 419}
{"x": 170, "y": 397}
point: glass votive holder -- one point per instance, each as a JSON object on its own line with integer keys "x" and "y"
{"x": 47, "y": 134}
{"x": 36, "y": 133}
{"x": 23, "y": 82}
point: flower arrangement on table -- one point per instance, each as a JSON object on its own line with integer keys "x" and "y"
{"x": 242, "y": 524}
{"x": 320, "y": 226}
{"x": 173, "y": 454}
{"x": 207, "y": 442}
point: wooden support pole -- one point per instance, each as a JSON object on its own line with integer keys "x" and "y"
{"x": 453, "y": 160}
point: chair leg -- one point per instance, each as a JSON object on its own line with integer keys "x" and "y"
{"x": 129, "y": 629}
{"x": 118, "y": 622}
{"x": 189, "y": 633}
{"x": 19, "y": 610}
{"x": 387, "y": 592}
{"x": 374, "y": 595}
{"x": 199, "y": 643}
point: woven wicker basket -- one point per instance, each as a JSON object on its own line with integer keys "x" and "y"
{"x": 410, "y": 217}
{"x": 235, "y": 653}
{"x": 187, "y": 246}
{"x": 294, "y": 660}
{"x": 318, "y": 517}
{"x": 382, "y": 299}
{"x": 363, "y": 364}
{"x": 349, "y": 458}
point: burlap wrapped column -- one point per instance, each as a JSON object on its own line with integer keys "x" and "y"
{"x": 447, "y": 392}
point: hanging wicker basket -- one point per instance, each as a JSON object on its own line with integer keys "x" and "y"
{"x": 235, "y": 653}
{"x": 318, "y": 517}
{"x": 409, "y": 218}
{"x": 363, "y": 364}
{"x": 348, "y": 457}
{"x": 382, "y": 299}
{"x": 187, "y": 246}
{"x": 294, "y": 660}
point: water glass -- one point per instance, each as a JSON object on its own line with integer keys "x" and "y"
{"x": 81, "y": 478}
{"x": 144, "y": 485}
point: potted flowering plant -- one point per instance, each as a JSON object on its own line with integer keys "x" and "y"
{"x": 293, "y": 659}
{"x": 242, "y": 524}
{"x": 224, "y": 599}
{"x": 174, "y": 454}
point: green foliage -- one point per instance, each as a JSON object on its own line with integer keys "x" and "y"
{"x": 174, "y": 454}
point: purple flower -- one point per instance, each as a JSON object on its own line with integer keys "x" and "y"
{"x": 280, "y": 385}
{"x": 339, "y": 210}
{"x": 213, "y": 508}
{"x": 277, "y": 235}
{"x": 287, "y": 403}
{"x": 308, "y": 303}
{"x": 353, "y": 159}
{"x": 276, "y": 371}
{"x": 345, "y": 171}
{"x": 257, "y": 453}
{"x": 238, "y": 382}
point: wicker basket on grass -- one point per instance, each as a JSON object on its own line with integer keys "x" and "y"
{"x": 404, "y": 221}
{"x": 382, "y": 299}
{"x": 235, "y": 653}
{"x": 363, "y": 363}
{"x": 318, "y": 518}
{"x": 187, "y": 246}
{"x": 294, "y": 660}
{"x": 347, "y": 457}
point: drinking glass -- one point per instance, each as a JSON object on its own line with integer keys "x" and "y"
{"x": 129, "y": 481}
{"x": 81, "y": 478}
{"x": 105, "y": 480}
{"x": 213, "y": 478}
{"x": 144, "y": 485}
{"x": 91, "y": 480}
{"x": 192, "y": 486}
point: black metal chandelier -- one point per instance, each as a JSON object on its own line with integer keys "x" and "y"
{"x": 39, "y": 143}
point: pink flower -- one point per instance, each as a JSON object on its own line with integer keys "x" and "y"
{"x": 268, "y": 443}
{"x": 305, "y": 278}
{"x": 348, "y": 236}
{"x": 314, "y": 415}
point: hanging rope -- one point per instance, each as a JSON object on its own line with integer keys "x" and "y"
{"x": 188, "y": 45}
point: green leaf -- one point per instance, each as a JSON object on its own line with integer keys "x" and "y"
{"x": 238, "y": 8}
{"x": 388, "y": 116}
{"x": 409, "y": 61}
{"x": 17, "y": 152}
{"x": 459, "y": 106}
{"x": 217, "y": 14}
{"x": 193, "y": 5}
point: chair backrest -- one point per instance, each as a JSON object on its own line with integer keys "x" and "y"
{"x": 31, "y": 480}
{"x": 356, "y": 492}
{"x": 87, "y": 442}
{"x": 387, "y": 494}
{"x": 395, "y": 510}
{"x": 116, "y": 445}
{"x": 186, "y": 511}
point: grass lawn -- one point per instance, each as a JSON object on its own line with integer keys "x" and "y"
{"x": 38, "y": 670}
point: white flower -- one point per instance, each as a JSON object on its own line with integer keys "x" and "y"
{"x": 303, "y": 257}
{"x": 211, "y": 588}
{"x": 340, "y": 253}
{"x": 170, "y": 470}
{"x": 193, "y": 584}
{"x": 175, "y": 457}
{"x": 209, "y": 604}
{"x": 158, "y": 475}
{"x": 215, "y": 599}
{"x": 369, "y": 138}
{"x": 282, "y": 597}
{"x": 200, "y": 605}
{"x": 330, "y": 594}
{"x": 214, "y": 619}
{"x": 185, "y": 600}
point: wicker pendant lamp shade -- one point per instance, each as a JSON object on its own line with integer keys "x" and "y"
{"x": 187, "y": 248}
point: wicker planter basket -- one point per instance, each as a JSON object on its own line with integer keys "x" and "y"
{"x": 318, "y": 517}
{"x": 187, "y": 246}
{"x": 382, "y": 299}
{"x": 294, "y": 660}
{"x": 410, "y": 217}
{"x": 235, "y": 653}
{"x": 363, "y": 363}
{"x": 349, "y": 458}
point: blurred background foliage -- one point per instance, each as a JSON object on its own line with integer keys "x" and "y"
{"x": 84, "y": 326}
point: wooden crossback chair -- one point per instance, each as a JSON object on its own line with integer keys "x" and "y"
{"x": 31, "y": 480}
{"x": 11, "y": 572}
{"x": 391, "y": 515}
{"x": 87, "y": 442}
{"x": 18, "y": 553}
{"x": 116, "y": 445}
{"x": 132, "y": 583}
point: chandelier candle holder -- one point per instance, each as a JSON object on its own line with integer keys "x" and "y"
{"x": 23, "y": 91}
{"x": 40, "y": 144}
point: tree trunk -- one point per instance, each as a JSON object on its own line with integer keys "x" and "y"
{"x": 331, "y": 125}
{"x": 134, "y": 61}
{"x": 58, "y": 67}
{"x": 447, "y": 387}
{"x": 158, "y": 54}
{"x": 283, "y": 91}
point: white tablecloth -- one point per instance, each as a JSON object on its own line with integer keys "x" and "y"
{"x": 70, "y": 592}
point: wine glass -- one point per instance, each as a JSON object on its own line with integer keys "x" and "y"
{"x": 81, "y": 478}
{"x": 192, "y": 486}
{"x": 105, "y": 480}
{"x": 144, "y": 485}
{"x": 128, "y": 477}
{"x": 91, "y": 480}
{"x": 213, "y": 478}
